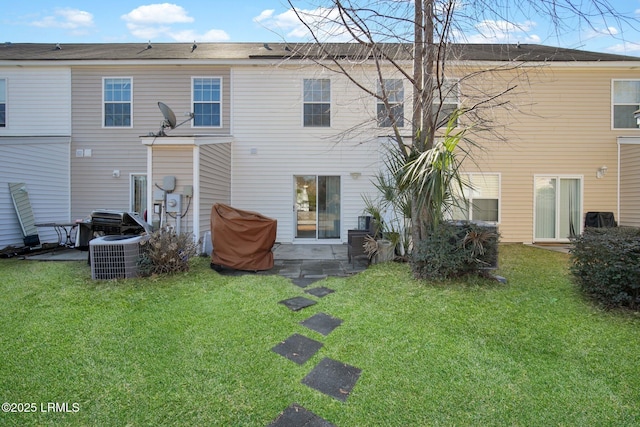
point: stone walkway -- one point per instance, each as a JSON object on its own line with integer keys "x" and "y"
{"x": 330, "y": 377}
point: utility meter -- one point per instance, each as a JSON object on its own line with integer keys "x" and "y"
{"x": 174, "y": 203}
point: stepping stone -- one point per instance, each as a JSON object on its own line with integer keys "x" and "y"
{"x": 320, "y": 292}
{"x": 333, "y": 378}
{"x": 297, "y": 416}
{"x": 303, "y": 282}
{"x": 298, "y": 348}
{"x": 297, "y": 303}
{"x": 322, "y": 323}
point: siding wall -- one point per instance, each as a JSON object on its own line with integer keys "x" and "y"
{"x": 44, "y": 168}
{"x": 38, "y": 101}
{"x": 34, "y": 147}
{"x": 559, "y": 123}
{"x": 178, "y": 162}
{"x": 93, "y": 186}
{"x": 271, "y": 145}
{"x": 629, "y": 185}
{"x": 215, "y": 180}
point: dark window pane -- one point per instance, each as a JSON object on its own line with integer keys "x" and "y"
{"x": 3, "y": 116}
{"x": 398, "y": 115}
{"x": 317, "y": 115}
{"x": 117, "y": 115}
{"x": 623, "y": 117}
{"x": 485, "y": 210}
{"x": 206, "y": 115}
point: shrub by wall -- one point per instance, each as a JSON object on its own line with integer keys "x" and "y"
{"x": 167, "y": 252}
{"x": 606, "y": 265}
{"x": 456, "y": 249}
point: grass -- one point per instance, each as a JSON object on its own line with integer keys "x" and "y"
{"x": 195, "y": 348}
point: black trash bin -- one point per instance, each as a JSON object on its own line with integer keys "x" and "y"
{"x": 600, "y": 219}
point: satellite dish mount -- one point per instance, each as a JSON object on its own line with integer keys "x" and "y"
{"x": 169, "y": 119}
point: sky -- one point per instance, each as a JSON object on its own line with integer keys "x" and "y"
{"x": 138, "y": 21}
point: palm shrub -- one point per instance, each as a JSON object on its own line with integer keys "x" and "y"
{"x": 167, "y": 252}
{"x": 605, "y": 264}
{"x": 455, "y": 249}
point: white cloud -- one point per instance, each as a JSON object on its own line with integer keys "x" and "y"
{"x": 492, "y": 31}
{"x": 157, "y": 21}
{"x": 153, "y": 14}
{"x": 324, "y": 22}
{"x": 625, "y": 48}
{"x": 264, "y": 15}
{"x": 68, "y": 19}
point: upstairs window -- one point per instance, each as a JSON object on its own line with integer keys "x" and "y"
{"x": 207, "y": 101}
{"x": 3, "y": 103}
{"x": 117, "y": 102}
{"x": 482, "y": 194}
{"x": 447, "y": 98}
{"x": 317, "y": 102}
{"x": 626, "y": 100}
{"x": 394, "y": 93}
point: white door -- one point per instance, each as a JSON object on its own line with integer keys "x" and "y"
{"x": 317, "y": 207}
{"x": 558, "y": 208}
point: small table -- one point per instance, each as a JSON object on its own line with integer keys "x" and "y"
{"x": 63, "y": 230}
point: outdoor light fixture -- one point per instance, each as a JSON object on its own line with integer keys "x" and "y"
{"x": 355, "y": 175}
{"x": 602, "y": 171}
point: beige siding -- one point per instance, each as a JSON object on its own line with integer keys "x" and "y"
{"x": 629, "y": 185}
{"x": 271, "y": 145}
{"x": 215, "y": 180}
{"x": 92, "y": 183}
{"x": 560, "y": 124}
{"x": 177, "y": 162}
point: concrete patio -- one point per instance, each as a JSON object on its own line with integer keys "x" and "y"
{"x": 293, "y": 261}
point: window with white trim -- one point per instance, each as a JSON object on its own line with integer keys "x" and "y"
{"x": 481, "y": 198}
{"x": 447, "y": 99}
{"x": 394, "y": 93}
{"x": 316, "y": 103}
{"x": 625, "y": 101}
{"x": 3, "y": 103}
{"x": 117, "y": 96}
{"x": 207, "y": 102}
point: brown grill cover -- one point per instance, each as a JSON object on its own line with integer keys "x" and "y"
{"x": 241, "y": 239}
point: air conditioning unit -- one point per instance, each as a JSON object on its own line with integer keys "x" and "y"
{"x": 115, "y": 257}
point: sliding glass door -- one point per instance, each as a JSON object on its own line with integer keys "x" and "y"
{"x": 558, "y": 208}
{"x": 317, "y": 207}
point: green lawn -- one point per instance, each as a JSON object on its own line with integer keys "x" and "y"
{"x": 195, "y": 348}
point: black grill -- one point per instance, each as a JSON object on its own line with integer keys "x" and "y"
{"x": 116, "y": 222}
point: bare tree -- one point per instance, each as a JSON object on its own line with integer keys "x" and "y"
{"x": 418, "y": 40}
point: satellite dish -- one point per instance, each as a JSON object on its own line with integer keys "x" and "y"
{"x": 169, "y": 116}
{"x": 169, "y": 119}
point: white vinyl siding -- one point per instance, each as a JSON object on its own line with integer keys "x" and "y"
{"x": 38, "y": 101}
{"x": 43, "y": 165}
{"x": 267, "y": 154}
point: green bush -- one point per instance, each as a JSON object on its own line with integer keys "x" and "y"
{"x": 606, "y": 265}
{"x": 167, "y": 252}
{"x": 456, "y": 249}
